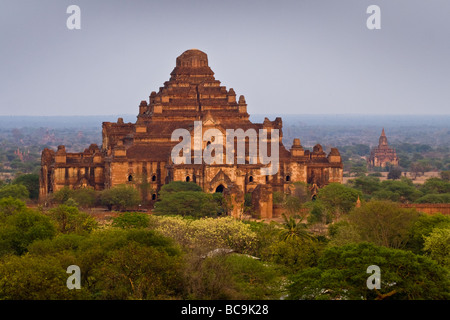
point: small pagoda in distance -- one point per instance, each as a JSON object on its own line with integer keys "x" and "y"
{"x": 383, "y": 155}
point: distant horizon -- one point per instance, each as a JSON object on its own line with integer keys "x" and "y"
{"x": 318, "y": 120}
{"x": 292, "y": 57}
{"x": 251, "y": 114}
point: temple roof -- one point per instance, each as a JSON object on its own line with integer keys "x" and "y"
{"x": 192, "y": 65}
{"x": 383, "y": 140}
{"x": 191, "y": 92}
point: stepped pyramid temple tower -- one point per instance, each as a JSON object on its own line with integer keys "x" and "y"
{"x": 193, "y": 102}
{"x": 383, "y": 155}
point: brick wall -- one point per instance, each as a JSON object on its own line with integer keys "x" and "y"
{"x": 429, "y": 208}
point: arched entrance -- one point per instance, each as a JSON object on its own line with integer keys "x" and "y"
{"x": 220, "y": 188}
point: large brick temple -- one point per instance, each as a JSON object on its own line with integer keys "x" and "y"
{"x": 140, "y": 153}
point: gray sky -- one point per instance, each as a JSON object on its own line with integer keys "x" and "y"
{"x": 299, "y": 57}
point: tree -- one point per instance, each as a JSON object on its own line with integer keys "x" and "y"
{"x": 131, "y": 220}
{"x": 367, "y": 184}
{"x": 422, "y": 228}
{"x": 394, "y": 173}
{"x": 207, "y": 234}
{"x": 71, "y": 220}
{"x": 31, "y": 182}
{"x": 230, "y": 276}
{"x": 10, "y": 206}
{"x": 398, "y": 191}
{"x": 31, "y": 277}
{"x": 415, "y": 168}
{"x": 341, "y": 273}
{"x": 292, "y": 205}
{"x": 177, "y": 186}
{"x": 359, "y": 169}
{"x": 434, "y": 198}
{"x": 296, "y": 200}
{"x": 187, "y": 203}
{"x": 445, "y": 175}
{"x": 383, "y": 223}
{"x": 343, "y": 233}
{"x": 120, "y": 197}
{"x": 301, "y": 192}
{"x": 22, "y": 228}
{"x": 188, "y": 199}
{"x": 209, "y": 278}
{"x": 293, "y": 254}
{"x": 17, "y": 191}
{"x": 435, "y": 185}
{"x": 420, "y": 167}
{"x": 293, "y": 228}
{"x": 361, "y": 149}
{"x": 278, "y": 197}
{"x": 115, "y": 264}
{"x": 338, "y": 197}
{"x": 437, "y": 246}
{"x": 137, "y": 271}
{"x": 62, "y": 195}
{"x": 85, "y": 197}
{"x": 254, "y": 280}
{"x": 318, "y": 213}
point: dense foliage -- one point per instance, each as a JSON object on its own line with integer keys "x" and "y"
{"x": 190, "y": 248}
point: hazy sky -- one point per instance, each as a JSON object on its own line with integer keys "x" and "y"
{"x": 299, "y": 56}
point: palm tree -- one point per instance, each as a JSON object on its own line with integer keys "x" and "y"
{"x": 294, "y": 229}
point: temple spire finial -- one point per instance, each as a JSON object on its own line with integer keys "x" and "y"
{"x": 358, "y": 202}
